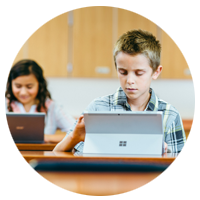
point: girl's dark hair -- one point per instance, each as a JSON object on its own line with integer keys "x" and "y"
{"x": 27, "y": 67}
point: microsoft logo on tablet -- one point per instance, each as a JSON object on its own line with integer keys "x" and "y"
{"x": 122, "y": 143}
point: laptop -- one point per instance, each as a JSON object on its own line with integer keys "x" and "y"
{"x": 26, "y": 127}
{"x": 124, "y": 133}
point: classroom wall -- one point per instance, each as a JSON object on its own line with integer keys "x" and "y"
{"x": 74, "y": 94}
{"x": 80, "y": 44}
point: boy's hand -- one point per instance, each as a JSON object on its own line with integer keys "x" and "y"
{"x": 165, "y": 145}
{"x": 79, "y": 131}
{"x": 74, "y": 137}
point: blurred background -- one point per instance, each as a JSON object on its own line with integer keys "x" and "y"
{"x": 75, "y": 50}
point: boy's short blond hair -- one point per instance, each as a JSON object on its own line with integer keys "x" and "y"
{"x": 139, "y": 42}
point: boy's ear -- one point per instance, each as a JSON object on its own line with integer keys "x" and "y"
{"x": 157, "y": 72}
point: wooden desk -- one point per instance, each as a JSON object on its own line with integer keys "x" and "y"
{"x": 97, "y": 183}
{"x": 48, "y": 145}
{"x": 187, "y": 124}
{"x": 106, "y": 184}
{"x": 23, "y": 157}
{"x": 36, "y": 147}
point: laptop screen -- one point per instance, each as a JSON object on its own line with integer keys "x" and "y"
{"x": 26, "y": 127}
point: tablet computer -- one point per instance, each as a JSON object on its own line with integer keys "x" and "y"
{"x": 126, "y": 132}
{"x": 26, "y": 127}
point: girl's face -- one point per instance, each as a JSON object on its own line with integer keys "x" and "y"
{"x": 25, "y": 89}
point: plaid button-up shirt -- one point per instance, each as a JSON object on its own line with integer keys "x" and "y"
{"x": 174, "y": 134}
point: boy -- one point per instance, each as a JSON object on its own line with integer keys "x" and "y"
{"x": 137, "y": 61}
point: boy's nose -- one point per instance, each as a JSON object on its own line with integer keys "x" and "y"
{"x": 130, "y": 79}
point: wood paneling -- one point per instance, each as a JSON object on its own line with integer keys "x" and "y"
{"x": 92, "y": 41}
{"x": 87, "y": 43}
{"x": 128, "y": 20}
{"x": 176, "y": 41}
{"x": 48, "y": 46}
{"x": 19, "y": 33}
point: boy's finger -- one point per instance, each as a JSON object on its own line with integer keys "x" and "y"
{"x": 80, "y": 119}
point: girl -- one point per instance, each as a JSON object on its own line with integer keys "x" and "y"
{"x": 27, "y": 91}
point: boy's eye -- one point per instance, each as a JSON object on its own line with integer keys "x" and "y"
{"x": 139, "y": 73}
{"x": 123, "y": 72}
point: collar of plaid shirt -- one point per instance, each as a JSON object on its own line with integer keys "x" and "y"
{"x": 119, "y": 98}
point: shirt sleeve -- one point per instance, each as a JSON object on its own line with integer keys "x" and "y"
{"x": 57, "y": 118}
{"x": 6, "y": 104}
{"x": 175, "y": 136}
{"x": 64, "y": 121}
